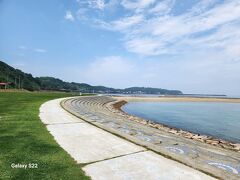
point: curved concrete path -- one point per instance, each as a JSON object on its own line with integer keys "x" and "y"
{"x": 99, "y": 111}
{"x": 107, "y": 156}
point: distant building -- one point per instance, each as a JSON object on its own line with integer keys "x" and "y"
{"x": 3, "y": 84}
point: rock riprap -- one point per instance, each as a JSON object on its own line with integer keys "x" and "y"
{"x": 216, "y": 157}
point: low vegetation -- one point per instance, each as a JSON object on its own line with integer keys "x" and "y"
{"x": 19, "y": 79}
{"x": 24, "y": 139}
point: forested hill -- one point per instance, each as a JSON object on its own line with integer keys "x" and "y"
{"x": 18, "y": 79}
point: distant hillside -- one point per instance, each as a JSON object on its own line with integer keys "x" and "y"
{"x": 19, "y": 79}
{"x": 149, "y": 90}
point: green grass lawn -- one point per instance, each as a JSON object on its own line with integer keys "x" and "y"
{"x": 24, "y": 139}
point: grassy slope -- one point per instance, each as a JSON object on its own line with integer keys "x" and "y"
{"x": 24, "y": 139}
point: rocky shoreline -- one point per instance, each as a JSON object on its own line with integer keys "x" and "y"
{"x": 117, "y": 108}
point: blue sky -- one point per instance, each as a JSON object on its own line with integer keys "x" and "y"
{"x": 190, "y": 45}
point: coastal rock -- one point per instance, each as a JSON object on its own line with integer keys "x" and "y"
{"x": 173, "y": 131}
{"x": 143, "y": 122}
{"x": 158, "y": 126}
{"x": 223, "y": 142}
{"x": 237, "y": 147}
{"x": 201, "y": 140}
{"x": 136, "y": 120}
{"x": 225, "y": 145}
{"x": 155, "y": 125}
{"x": 213, "y": 142}
{"x": 204, "y": 137}
{"x": 232, "y": 144}
{"x": 152, "y": 125}
{"x": 197, "y": 137}
{"x": 182, "y": 132}
{"x": 188, "y": 135}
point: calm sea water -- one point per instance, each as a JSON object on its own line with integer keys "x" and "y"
{"x": 220, "y": 120}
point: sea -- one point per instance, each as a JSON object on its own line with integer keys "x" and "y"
{"x": 219, "y": 120}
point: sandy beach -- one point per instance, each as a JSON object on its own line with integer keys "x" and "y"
{"x": 177, "y": 99}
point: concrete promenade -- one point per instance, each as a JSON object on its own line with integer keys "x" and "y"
{"x": 101, "y": 112}
{"x": 105, "y": 155}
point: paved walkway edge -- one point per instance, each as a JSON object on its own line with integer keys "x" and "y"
{"x": 108, "y": 156}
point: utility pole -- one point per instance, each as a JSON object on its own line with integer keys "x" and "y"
{"x": 15, "y": 83}
{"x": 19, "y": 85}
{"x": 6, "y": 82}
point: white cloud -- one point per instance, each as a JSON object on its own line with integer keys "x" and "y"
{"x": 167, "y": 32}
{"x": 98, "y": 4}
{"x": 224, "y": 39}
{"x": 122, "y": 25}
{"x": 110, "y": 65}
{"x": 145, "y": 46}
{"x": 69, "y": 16}
{"x": 88, "y": 9}
{"x": 93, "y": 4}
{"x": 40, "y": 50}
{"x": 202, "y": 6}
{"x": 127, "y": 22}
{"x": 27, "y": 49}
{"x": 187, "y": 24}
{"x": 112, "y": 70}
{"x": 137, "y": 4}
{"x": 188, "y": 74}
{"x": 162, "y": 7}
{"x": 81, "y": 14}
{"x": 200, "y": 45}
{"x": 154, "y": 30}
{"x": 151, "y": 28}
